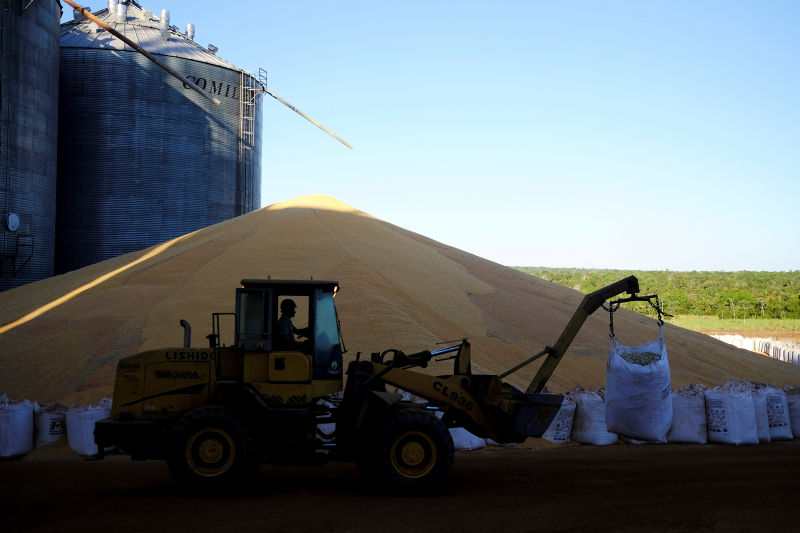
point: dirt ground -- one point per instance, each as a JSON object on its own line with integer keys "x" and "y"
{"x": 622, "y": 487}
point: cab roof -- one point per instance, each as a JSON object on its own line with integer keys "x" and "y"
{"x": 290, "y": 284}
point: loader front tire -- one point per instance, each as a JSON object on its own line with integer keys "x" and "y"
{"x": 211, "y": 447}
{"x": 411, "y": 453}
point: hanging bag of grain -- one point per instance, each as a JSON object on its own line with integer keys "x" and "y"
{"x": 731, "y": 415}
{"x": 638, "y": 394}
{"x": 780, "y": 427}
{"x": 689, "y": 421}
{"x": 589, "y": 422}
{"x": 560, "y": 428}
{"x": 50, "y": 422}
{"x": 16, "y": 427}
{"x": 793, "y": 402}
{"x": 80, "y": 426}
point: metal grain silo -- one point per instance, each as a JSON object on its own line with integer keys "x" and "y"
{"x": 142, "y": 159}
{"x": 28, "y": 139}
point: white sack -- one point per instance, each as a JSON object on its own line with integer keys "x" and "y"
{"x": 80, "y": 425}
{"x": 638, "y": 397}
{"x": 759, "y": 396}
{"x": 560, "y": 428}
{"x": 16, "y": 427}
{"x": 689, "y": 421}
{"x": 731, "y": 415}
{"x": 409, "y": 397}
{"x": 793, "y": 401}
{"x": 589, "y": 422}
{"x": 326, "y": 433}
{"x": 464, "y": 440}
{"x": 50, "y": 423}
{"x": 780, "y": 427}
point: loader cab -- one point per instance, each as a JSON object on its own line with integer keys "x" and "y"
{"x": 289, "y": 372}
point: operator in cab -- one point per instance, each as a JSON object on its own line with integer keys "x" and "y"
{"x": 287, "y": 330}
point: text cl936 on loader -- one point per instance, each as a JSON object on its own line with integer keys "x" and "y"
{"x": 215, "y": 414}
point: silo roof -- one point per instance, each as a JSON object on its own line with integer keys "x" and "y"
{"x": 142, "y": 27}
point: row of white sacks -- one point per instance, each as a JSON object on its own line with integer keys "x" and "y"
{"x": 25, "y": 426}
{"x": 786, "y": 351}
{"x": 736, "y": 413}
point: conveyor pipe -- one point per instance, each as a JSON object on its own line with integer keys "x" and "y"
{"x": 142, "y": 51}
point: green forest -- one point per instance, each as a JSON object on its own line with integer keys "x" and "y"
{"x": 725, "y": 295}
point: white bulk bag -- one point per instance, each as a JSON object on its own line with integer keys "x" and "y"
{"x": 778, "y": 413}
{"x": 759, "y": 396}
{"x": 560, "y": 428}
{"x": 638, "y": 396}
{"x": 326, "y": 433}
{"x": 50, "y": 422}
{"x": 80, "y": 425}
{"x": 731, "y": 415}
{"x": 464, "y": 440}
{"x": 689, "y": 421}
{"x": 409, "y": 397}
{"x": 793, "y": 402}
{"x": 589, "y": 422}
{"x": 16, "y": 427}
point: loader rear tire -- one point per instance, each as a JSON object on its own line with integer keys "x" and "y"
{"x": 211, "y": 447}
{"x": 412, "y": 453}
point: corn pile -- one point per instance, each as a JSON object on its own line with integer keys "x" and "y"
{"x": 641, "y": 358}
{"x": 400, "y": 290}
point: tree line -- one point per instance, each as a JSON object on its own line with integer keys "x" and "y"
{"x": 744, "y": 294}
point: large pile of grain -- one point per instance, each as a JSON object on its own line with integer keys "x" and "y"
{"x": 399, "y": 290}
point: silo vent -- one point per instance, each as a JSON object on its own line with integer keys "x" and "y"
{"x": 163, "y": 24}
{"x": 190, "y": 31}
{"x": 213, "y": 49}
{"x": 122, "y": 13}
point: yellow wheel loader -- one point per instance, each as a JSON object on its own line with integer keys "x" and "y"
{"x": 275, "y": 395}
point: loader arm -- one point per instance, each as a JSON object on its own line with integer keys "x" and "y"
{"x": 590, "y": 303}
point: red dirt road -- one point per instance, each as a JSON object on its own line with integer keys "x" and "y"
{"x": 574, "y": 488}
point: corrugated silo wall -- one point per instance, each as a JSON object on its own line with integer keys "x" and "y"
{"x": 28, "y": 139}
{"x": 255, "y": 200}
{"x": 142, "y": 159}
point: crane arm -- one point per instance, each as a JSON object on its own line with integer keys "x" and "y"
{"x": 590, "y": 303}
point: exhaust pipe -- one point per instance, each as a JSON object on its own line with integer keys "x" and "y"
{"x": 187, "y": 333}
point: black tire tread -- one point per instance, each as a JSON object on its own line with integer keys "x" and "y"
{"x": 247, "y": 456}
{"x": 376, "y": 464}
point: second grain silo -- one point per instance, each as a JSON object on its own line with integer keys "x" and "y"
{"x": 28, "y": 136}
{"x": 142, "y": 159}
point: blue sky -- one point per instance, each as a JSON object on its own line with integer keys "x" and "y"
{"x": 633, "y": 135}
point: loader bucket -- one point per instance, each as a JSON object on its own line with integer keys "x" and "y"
{"x": 534, "y": 412}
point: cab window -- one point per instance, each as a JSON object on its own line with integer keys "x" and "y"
{"x": 254, "y": 326}
{"x": 327, "y": 348}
